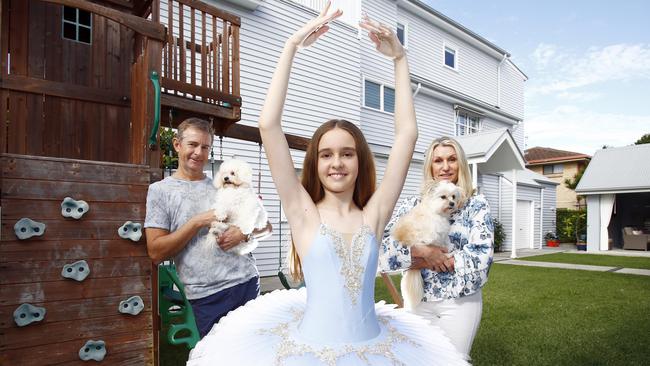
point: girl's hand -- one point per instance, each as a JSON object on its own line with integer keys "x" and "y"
{"x": 384, "y": 38}
{"x": 315, "y": 28}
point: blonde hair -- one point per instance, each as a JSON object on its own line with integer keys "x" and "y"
{"x": 464, "y": 177}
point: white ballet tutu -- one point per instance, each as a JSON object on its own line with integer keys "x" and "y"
{"x": 265, "y": 332}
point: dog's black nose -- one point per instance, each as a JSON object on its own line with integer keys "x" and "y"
{"x": 226, "y": 178}
{"x": 451, "y": 204}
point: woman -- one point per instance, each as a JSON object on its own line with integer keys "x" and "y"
{"x": 452, "y": 283}
{"x": 335, "y": 216}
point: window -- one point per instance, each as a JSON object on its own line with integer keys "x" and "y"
{"x": 450, "y": 57}
{"x": 467, "y": 123}
{"x": 553, "y": 169}
{"x": 378, "y": 96}
{"x": 401, "y": 33}
{"x": 77, "y": 25}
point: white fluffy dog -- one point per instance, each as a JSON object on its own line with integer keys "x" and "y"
{"x": 237, "y": 204}
{"x": 426, "y": 224}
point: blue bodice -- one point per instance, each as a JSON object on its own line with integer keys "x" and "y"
{"x": 340, "y": 281}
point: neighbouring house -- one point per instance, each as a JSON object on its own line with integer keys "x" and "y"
{"x": 617, "y": 186}
{"x": 464, "y": 86}
{"x": 558, "y": 165}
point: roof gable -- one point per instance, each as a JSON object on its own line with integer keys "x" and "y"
{"x": 493, "y": 151}
{"x": 617, "y": 170}
{"x": 540, "y": 155}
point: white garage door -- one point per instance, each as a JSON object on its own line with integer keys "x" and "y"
{"x": 524, "y": 224}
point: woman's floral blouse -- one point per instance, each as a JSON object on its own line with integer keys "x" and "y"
{"x": 471, "y": 237}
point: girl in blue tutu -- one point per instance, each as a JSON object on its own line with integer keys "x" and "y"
{"x": 336, "y": 216}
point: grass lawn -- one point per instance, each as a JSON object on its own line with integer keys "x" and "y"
{"x": 593, "y": 259}
{"x": 544, "y": 316}
{"x": 547, "y": 316}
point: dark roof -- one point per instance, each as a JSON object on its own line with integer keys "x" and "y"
{"x": 541, "y": 155}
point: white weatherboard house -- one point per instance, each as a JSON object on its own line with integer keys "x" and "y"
{"x": 464, "y": 87}
{"x": 617, "y": 186}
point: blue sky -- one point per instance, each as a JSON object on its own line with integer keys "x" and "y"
{"x": 588, "y": 64}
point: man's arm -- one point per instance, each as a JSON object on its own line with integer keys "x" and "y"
{"x": 161, "y": 244}
{"x": 233, "y": 236}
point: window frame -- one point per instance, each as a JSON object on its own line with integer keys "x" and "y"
{"x": 406, "y": 32}
{"x": 446, "y": 45}
{"x": 382, "y": 100}
{"x": 467, "y": 127}
{"x": 553, "y": 169}
{"x": 76, "y": 23}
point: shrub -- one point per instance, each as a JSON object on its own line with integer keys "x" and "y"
{"x": 169, "y": 157}
{"x": 499, "y": 235}
{"x": 570, "y": 224}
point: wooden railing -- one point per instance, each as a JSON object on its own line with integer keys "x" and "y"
{"x": 200, "y": 59}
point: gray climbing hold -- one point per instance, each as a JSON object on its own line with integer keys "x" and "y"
{"x": 93, "y": 350}
{"x": 26, "y": 228}
{"x": 26, "y": 314}
{"x": 130, "y": 230}
{"x": 78, "y": 270}
{"x": 133, "y": 305}
{"x": 73, "y": 208}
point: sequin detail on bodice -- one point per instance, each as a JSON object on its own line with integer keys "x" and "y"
{"x": 351, "y": 267}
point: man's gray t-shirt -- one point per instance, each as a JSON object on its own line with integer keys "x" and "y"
{"x": 203, "y": 267}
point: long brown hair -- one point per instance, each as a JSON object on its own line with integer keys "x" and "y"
{"x": 364, "y": 186}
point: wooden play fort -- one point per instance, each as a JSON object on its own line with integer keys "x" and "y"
{"x": 83, "y": 87}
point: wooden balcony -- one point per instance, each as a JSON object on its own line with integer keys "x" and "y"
{"x": 200, "y": 71}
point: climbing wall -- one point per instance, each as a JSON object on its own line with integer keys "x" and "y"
{"x": 75, "y": 279}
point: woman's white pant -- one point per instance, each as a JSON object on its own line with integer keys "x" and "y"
{"x": 459, "y": 318}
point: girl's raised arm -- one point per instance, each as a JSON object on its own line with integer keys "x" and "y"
{"x": 406, "y": 132}
{"x": 295, "y": 199}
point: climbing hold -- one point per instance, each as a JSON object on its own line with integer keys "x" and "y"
{"x": 130, "y": 230}
{"x": 27, "y": 313}
{"x": 93, "y": 350}
{"x": 133, "y": 305}
{"x": 26, "y": 228}
{"x": 73, "y": 208}
{"x": 78, "y": 270}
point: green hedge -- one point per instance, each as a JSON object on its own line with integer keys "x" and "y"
{"x": 567, "y": 221}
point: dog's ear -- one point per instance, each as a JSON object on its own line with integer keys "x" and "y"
{"x": 245, "y": 174}
{"x": 217, "y": 180}
{"x": 428, "y": 187}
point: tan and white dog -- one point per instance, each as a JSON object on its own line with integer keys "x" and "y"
{"x": 237, "y": 203}
{"x": 426, "y": 224}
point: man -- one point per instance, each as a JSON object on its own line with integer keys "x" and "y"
{"x": 178, "y": 217}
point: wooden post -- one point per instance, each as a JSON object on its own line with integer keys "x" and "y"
{"x": 392, "y": 289}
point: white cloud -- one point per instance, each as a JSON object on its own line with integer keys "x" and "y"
{"x": 575, "y": 129}
{"x": 561, "y": 70}
{"x": 578, "y": 96}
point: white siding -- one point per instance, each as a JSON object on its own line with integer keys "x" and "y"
{"x": 435, "y": 119}
{"x": 476, "y": 74}
{"x": 506, "y": 212}
{"x": 549, "y": 215}
{"x": 512, "y": 90}
{"x": 489, "y": 186}
{"x": 518, "y": 134}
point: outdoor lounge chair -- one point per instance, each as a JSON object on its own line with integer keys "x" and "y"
{"x": 633, "y": 239}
